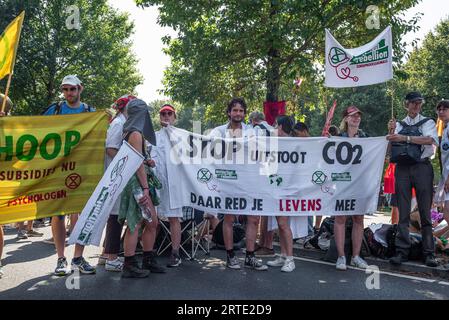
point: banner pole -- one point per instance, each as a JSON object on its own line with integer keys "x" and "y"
{"x": 6, "y": 92}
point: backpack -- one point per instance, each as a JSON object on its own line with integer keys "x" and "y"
{"x": 375, "y": 248}
{"x": 58, "y": 106}
{"x": 331, "y": 254}
{"x": 325, "y": 232}
{"x": 238, "y": 236}
{"x": 408, "y": 153}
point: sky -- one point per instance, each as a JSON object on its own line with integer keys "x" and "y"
{"x": 152, "y": 61}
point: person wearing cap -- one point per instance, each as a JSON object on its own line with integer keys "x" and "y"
{"x": 137, "y": 131}
{"x": 418, "y": 175}
{"x": 167, "y": 116}
{"x": 236, "y": 128}
{"x": 71, "y": 87}
{"x": 350, "y": 128}
{"x": 114, "y": 139}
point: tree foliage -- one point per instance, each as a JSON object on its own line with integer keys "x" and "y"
{"x": 256, "y": 48}
{"x": 427, "y": 70}
{"x": 99, "y": 52}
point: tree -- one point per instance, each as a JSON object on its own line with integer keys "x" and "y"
{"x": 50, "y": 48}
{"x": 257, "y": 48}
{"x": 427, "y": 69}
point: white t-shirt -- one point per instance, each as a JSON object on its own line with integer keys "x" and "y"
{"x": 428, "y": 129}
{"x": 224, "y": 131}
{"x": 114, "y": 139}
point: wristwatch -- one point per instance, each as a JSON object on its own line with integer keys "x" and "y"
{"x": 409, "y": 139}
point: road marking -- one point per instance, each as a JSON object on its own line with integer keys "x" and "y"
{"x": 380, "y": 271}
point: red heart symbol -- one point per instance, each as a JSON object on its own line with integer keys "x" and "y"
{"x": 346, "y": 72}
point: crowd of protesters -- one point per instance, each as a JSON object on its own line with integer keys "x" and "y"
{"x": 145, "y": 199}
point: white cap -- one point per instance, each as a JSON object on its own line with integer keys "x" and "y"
{"x": 71, "y": 80}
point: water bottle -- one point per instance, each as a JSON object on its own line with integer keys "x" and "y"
{"x": 146, "y": 213}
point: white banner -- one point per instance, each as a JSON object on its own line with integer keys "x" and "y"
{"x": 370, "y": 64}
{"x": 275, "y": 176}
{"x": 89, "y": 228}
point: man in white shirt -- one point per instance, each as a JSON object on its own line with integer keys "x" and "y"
{"x": 417, "y": 174}
{"x": 236, "y": 128}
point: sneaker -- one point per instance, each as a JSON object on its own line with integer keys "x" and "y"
{"x": 430, "y": 261}
{"x": 175, "y": 261}
{"x": 289, "y": 265}
{"x": 133, "y": 271}
{"x": 49, "y": 241}
{"x": 341, "y": 263}
{"x": 102, "y": 261}
{"x": 398, "y": 259}
{"x": 33, "y": 233}
{"x": 83, "y": 266}
{"x": 233, "y": 263}
{"x": 264, "y": 252}
{"x": 114, "y": 265}
{"x": 253, "y": 263}
{"x": 278, "y": 262}
{"x": 22, "y": 234}
{"x": 150, "y": 263}
{"x": 1, "y": 272}
{"x": 62, "y": 267}
{"x": 359, "y": 262}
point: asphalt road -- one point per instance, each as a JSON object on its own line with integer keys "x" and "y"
{"x": 28, "y": 266}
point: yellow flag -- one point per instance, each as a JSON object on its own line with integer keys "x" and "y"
{"x": 9, "y": 41}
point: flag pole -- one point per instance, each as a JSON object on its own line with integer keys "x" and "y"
{"x": 8, "y": 85}
{"x": 6, "y": 92}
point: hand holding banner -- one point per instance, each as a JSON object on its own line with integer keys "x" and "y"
{"x": 90, "y": 225}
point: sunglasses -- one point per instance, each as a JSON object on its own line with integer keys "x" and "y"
{"x": 72, "y": 89}
{"x": 169, "y": 113}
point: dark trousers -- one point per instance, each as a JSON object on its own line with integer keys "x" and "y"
{"x": 113, "y": 236}
{"x": 420, "y": 177}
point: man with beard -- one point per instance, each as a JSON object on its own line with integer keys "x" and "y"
{"x": 71, "y": 88}
{"x": 236, "y": 128}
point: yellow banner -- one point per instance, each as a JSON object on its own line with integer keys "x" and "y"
{"x": 49, "y": 165}
{"x": 9, "y": 41}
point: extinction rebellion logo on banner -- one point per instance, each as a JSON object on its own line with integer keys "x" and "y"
{"x": 366, "y": 65}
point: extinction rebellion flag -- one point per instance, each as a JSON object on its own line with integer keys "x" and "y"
{"x": 366, "y": 65}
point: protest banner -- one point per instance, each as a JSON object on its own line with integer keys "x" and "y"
{"x": 366, "y": 65}
{"x": 90, "y": 225}
{"x": 49, "y": 165}
{"x": 275, "y": 176}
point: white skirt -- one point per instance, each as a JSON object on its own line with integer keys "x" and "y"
{"x": 298, "y": 225}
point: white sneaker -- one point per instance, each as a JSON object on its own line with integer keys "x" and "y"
{"x": 114, "y": 265}
{"x": 1, "y": 272}
{"x": 359, "y": 262}
{"x": 278, "y": 262}
{"x": 288, "y": 266}
{"x": 341, "y": 263}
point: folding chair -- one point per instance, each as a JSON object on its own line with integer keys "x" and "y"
{"x": 190, "y": 228}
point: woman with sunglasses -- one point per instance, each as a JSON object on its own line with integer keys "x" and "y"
{"x": 349, "y": 127}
